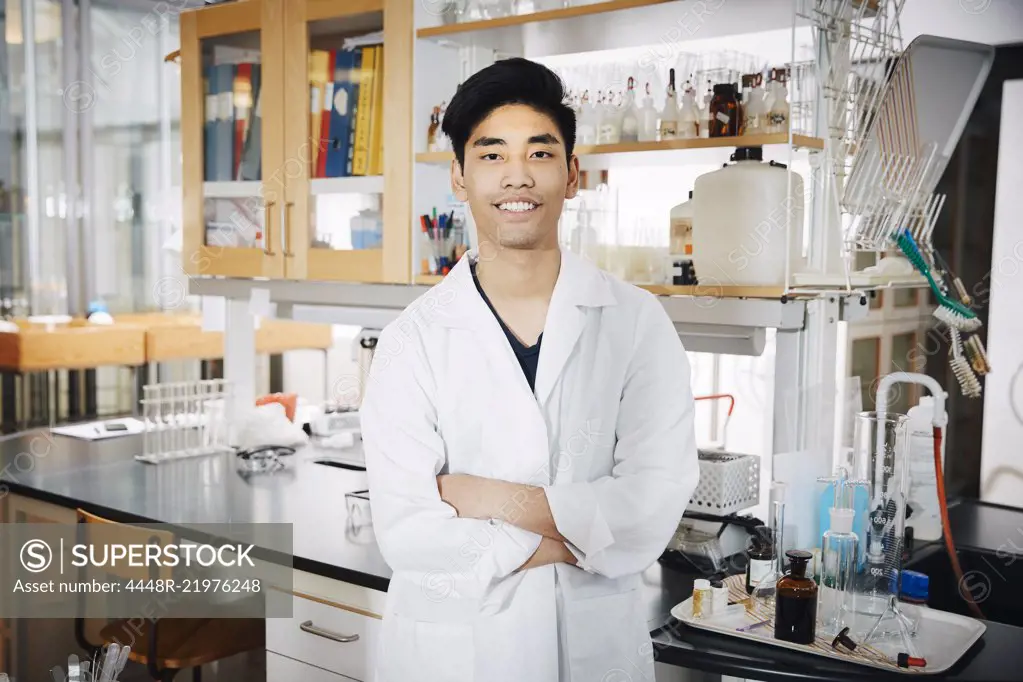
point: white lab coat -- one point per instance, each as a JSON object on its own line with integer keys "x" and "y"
{"x": 609, "y": 434}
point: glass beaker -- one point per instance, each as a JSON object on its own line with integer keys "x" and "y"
{"x": 880, "y": 465}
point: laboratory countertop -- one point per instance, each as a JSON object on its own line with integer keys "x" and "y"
{"x": 102, "y": 477}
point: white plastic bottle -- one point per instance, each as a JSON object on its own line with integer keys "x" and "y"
{"x": 667, "y": 125}
{"x": 688, "y": 115}
{"x": 705, "y": 111}
{"x": 923, "y": 486}
{"x": 647, "y": 118}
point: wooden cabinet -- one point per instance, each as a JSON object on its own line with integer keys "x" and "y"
{"x": 253, "y": 202}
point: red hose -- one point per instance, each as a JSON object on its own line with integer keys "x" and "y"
{"x": 947, "y": 527}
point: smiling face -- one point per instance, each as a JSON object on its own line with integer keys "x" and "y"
{"x": 516, "y": 178}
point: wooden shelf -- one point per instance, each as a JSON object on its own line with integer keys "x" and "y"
{"x": 803, "y": 141}
{"x": 429, "y": 280}
{"x": 78, "y": 345}
{"x": 715, "y": 291}
{"x": 547, "y": 15}
{"x": 241, "y": 189}
{"x": 365, "y": 184}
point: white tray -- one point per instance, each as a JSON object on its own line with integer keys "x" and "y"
{"x": 942, "y": 638}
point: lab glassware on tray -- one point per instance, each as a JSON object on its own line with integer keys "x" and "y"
{"x": 942, "y": 638}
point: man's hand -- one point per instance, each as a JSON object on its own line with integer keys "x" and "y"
{"x": 521, "y": 505}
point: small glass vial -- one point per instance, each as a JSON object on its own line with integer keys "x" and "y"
{"x": 761, "y": 557}
{"x": 705, "y": 124}
{"x": 703, "y": 599}
{"x": 915, "y": 590}
{"x": 795, "y": 606}
{"x": 724, "y": 111}
{"x": 838, "y": 570}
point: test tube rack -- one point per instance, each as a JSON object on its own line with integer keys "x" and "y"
{"x": 185, "y": 419}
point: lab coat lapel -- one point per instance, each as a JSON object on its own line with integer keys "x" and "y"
{"x": 580, "y": 286}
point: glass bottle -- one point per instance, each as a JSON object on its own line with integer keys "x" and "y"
{"x": 838, "y": 568}
{"x": 760, "y": 557}
{"x": 667, "y": 126}
{"x": 724, "y": 111}
{"x": 795, "y": 611}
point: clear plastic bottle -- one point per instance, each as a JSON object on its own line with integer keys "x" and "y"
{"x": 705, "y": 119}
{"x": 587, "y": 130}
{"x": 647, "y": 118}
{"x": 630, "y": 114}
{"x": 688, "y": 115}
{"x": 838, "y": 568}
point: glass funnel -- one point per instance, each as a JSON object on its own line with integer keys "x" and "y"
{"x": 880, "y": 466}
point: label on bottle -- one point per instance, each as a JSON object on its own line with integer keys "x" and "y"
{"x": 723, "y": 117}
{"x": 681, "y": 236}
{"x": 758, "y": 570}
{"x": 667, "y": 129}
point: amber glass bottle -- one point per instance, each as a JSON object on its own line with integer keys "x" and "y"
{"x": 795, "y": 606}
{"x": 724, "y": 111}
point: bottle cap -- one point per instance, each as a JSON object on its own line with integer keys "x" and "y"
{"x": 724, "y": 89}
{"x": 915, "y": 585}
{"x": 701, "y": 584}
{"x": 717, "y": 584}
{"x": 749, "y": 154}
{"x": 798, "y": 556}
{"x": 841, "y": 519}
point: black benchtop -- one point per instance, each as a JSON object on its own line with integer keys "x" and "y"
{"x": 102, "y": 477}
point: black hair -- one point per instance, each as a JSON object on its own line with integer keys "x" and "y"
{"x": 508, "y": 81}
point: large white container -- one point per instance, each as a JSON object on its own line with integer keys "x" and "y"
{"x": 741, "y": 214}
{"x": 923, "y": 485}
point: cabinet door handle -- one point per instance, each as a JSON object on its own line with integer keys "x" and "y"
{"x": 267, "y": 206}
{"x": 321, "y": 632}
{"x": 285, "y": 232}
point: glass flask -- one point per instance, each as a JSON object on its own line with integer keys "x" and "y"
{"x": 880, "y": 460}
{"x": 764, "y": 593}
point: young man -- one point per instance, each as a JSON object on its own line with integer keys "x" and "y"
{"x": 528, "y": 426}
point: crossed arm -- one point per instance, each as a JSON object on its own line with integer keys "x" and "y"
{"x": 521, "y": 505}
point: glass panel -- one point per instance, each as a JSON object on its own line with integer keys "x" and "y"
{"x": 904, "y": 359}
{"x": 346, "y": 77}
{"x": 906, "y": 298}
{"x": 232, "y": 141}
{"x": 50, "y": 289}
{"x": 866, "y": 366}
{"x": 14, "y": 296}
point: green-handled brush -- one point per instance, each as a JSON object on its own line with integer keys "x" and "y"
{"x": 950, "y": 311}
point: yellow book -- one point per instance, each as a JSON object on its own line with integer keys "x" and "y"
{"x": 360, "y": 156}
{"x": 376, "y": 136}
{"x": 318, "y": 74}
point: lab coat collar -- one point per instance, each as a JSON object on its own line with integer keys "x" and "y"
{"x": 580, "y": 285}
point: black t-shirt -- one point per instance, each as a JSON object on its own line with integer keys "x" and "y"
{"x": 528, "y": 356}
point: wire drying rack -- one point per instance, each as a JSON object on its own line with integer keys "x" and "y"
{"x": 185, "y": 419}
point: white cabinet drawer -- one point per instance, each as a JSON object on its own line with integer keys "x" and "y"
{"x": 328, "y": 636}
{"x": 283, "y": 669}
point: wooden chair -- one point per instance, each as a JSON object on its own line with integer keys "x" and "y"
{"x": 166, "y": 646}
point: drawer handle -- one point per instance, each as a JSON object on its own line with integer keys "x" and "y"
{"x": 321, "y": 632}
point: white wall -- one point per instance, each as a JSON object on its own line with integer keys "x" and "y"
{"x": 984, "y": 21}
{"x": 1001, "y": 469}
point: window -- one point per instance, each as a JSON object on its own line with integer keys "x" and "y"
{"x": 904, "y": 359}
{"x": 866, "y": 364}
